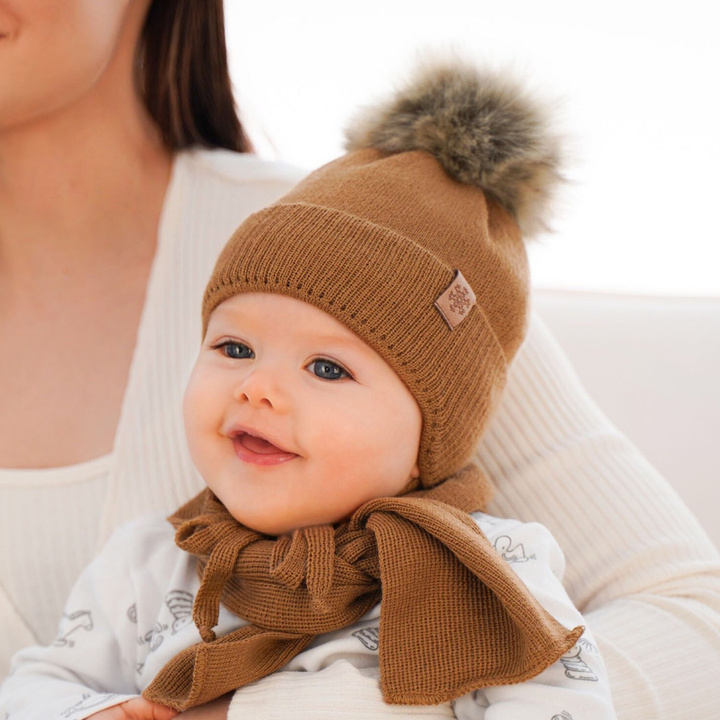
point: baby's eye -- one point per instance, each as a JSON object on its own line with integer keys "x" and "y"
{"x": 328, "y": 370}
{"x": 235, "y": 350}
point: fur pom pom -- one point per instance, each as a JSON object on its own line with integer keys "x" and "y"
{"x": 482, "y": 128}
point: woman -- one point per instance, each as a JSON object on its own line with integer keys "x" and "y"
{"x": 110, "y": 221}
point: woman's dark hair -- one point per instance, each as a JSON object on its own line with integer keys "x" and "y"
{"x": 183, "y": 75}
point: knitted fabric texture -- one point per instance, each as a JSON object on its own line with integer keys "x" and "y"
{"x": 374, "y": 240}
{"x": 454, "y": 616}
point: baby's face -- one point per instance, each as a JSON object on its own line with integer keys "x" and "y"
{"x": 292, "y": 419}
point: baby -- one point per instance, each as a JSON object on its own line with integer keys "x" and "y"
{"x": 357, "y": 335}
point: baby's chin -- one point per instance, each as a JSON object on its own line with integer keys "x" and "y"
{"x": 277, "y": 530}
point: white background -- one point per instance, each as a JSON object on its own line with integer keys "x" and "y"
{"x": 636, "y": 85}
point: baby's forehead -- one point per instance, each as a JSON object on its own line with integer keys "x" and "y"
{"x": 282, "y": 313}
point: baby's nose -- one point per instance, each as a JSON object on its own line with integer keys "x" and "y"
{"x": 260, "y": 388}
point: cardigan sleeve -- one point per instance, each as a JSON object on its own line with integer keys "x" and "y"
{"x": 639, "y": 567}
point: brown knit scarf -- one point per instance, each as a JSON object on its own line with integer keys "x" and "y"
{"x": 454, "y": 616}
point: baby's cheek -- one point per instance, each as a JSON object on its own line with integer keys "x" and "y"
{"x": 193, "y": 409}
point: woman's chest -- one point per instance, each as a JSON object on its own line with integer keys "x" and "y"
{"x": 64, "y": 367}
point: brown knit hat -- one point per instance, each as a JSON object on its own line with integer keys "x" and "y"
{"x": 413, "y": 240}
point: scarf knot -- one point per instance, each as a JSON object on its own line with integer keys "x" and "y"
{"x": 307, "y": 557}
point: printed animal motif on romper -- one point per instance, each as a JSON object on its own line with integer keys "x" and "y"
{"x": 88, "y": 701}
{"x": 481, "y": 699}
{"x": 587, "y": 645}
{"x": 154, "y": 637}
{"x": 180, "y": 604}
{"x": 466, "y": 706}
{"x": 369, "y": 637}
{"x": 70, "y": 623}
{"x": 132, "y": 613}
{"x": 575, "y": 667}
{"x": 510, "y": 553}
{"x": 564, "y": 715}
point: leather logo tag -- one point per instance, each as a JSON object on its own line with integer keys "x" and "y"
{"x": 455, "y": 302}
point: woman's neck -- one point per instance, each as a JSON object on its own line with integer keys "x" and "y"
{"x": 80, "y": 201}
{"x": 84, "y": 179}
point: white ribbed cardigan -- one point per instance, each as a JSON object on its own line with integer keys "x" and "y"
{"x": 638, "y": 564}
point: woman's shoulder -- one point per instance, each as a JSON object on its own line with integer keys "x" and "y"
{"x": 232, "y": 168}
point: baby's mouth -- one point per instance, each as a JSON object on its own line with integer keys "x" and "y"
{"x": 259, "y": 451}
{"x": 256, "y": 444}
